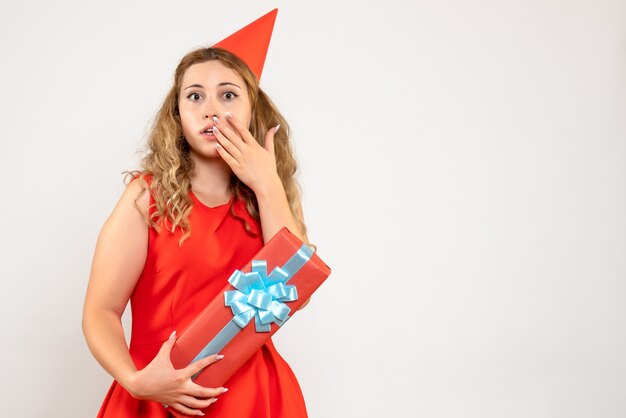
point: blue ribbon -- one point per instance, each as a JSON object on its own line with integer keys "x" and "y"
{"x": 260, "y": 296}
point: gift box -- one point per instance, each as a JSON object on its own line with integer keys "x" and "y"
{"x": 257, "y": 300}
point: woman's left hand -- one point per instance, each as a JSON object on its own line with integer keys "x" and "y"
{"x": 252, "y": 163}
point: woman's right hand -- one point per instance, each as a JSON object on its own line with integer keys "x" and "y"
{"x": 159, "y": 381}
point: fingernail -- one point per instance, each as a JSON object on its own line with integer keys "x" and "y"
{"x": 228, "y": 115}
{"x": 214, "y": 400}
{"x": 276, "y": 128}
{"x": 224, "y": 390}
{"x": 220, "y": 356}
{"x": 215, "y": 129}
{"x": 173, "y": 334}
{"x": 201, "y": 413}
{"x": 215, "y": 119}
{"x": 218, "y": 146}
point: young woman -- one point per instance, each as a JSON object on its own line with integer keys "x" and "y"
{"x": 217, "y": 183}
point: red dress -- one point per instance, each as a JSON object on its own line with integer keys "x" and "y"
{"x": 175, "y": 285}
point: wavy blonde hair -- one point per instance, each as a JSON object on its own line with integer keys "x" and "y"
{"x": 169, "y": 164}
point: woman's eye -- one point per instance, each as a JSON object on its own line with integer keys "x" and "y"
{"x": 230, "y": 95}
{"x": 194, "y": 97}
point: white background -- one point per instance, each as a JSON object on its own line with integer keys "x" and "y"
{"x": 463, "y": 166}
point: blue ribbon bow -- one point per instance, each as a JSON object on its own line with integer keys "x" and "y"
{"x": 260, "y": 296}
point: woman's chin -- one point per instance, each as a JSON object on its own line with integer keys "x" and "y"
{"x": 206, "y": 153}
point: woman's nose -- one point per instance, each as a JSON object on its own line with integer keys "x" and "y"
{"x": 209, "y": 113}
{"x": 210, "y": 109}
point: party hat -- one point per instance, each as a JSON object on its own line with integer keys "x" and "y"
{"x": 251, "y": 42}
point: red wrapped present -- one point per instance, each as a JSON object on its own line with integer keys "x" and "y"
{"x": 255, "y": 303}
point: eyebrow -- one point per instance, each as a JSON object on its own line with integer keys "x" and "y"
{"x": 226, "y": 83}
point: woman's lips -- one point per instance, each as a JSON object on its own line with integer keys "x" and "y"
{"x": 208, "y": 135}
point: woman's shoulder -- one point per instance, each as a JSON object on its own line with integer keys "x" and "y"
{"x": 138, "y": 188}
{"x": 136, "y": 174}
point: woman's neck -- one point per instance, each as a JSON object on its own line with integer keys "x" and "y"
{"x": 210, "y": 176}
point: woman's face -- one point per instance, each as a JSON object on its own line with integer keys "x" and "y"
{"x": 207, "y": 89}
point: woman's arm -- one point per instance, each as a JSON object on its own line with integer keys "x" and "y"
{"x": 275, "y": 213}
{"x": 255, "y": 165}
{"x": 118, "y": 261}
